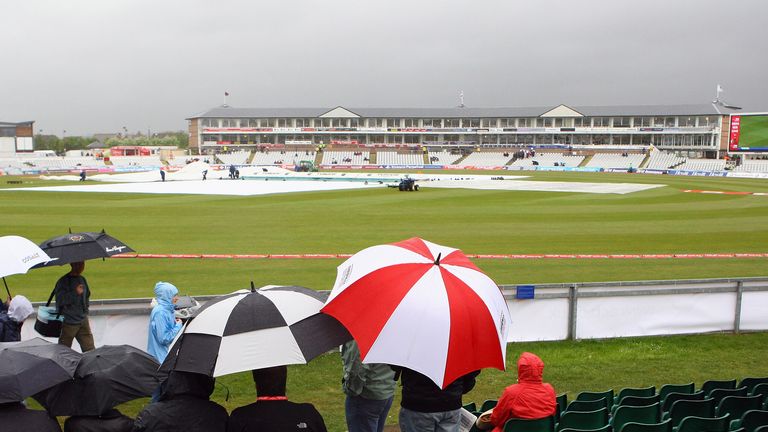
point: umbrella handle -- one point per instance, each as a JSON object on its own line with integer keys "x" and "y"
{"x": 6, "y": 288}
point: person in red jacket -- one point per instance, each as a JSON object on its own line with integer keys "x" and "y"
{"x": 530, "y": 398}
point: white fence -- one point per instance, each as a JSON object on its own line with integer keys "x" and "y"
{"x": 556, "y": 311}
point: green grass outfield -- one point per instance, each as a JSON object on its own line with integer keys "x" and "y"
{"x": 663, "y": 220}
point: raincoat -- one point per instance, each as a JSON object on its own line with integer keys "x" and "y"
{"x": 184, "y": 406}
{"x": 162, "y": 322}
{"x": 12, "y": 319}
{"x": 530, "y": 398}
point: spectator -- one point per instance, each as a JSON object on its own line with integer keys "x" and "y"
{"x": 184, "y": 406}
{"x": 14, "y": 416}
{"x": 12, "y": 318}
{"x": 163, "y": 324}
{"x": 427, "y": 408}
{"x": 370, "y": 389}
{"x": 272, "y": 412}
{"x": 72, "y": 302}
{"x": 530, "y": 398}
{"x": 110, "y": 421}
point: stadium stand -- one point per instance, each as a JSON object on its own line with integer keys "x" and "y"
{"x": 346, "y": 158}
{"x": 234, "y": 158}
{"x": 443, "y": 157}
{"x": 395, "y": 158}
{"x": 753, "y": 166}
{"x": 663, "y": 160}
{"x": 703, "y": 165}
{"x": 486, "y": 159}
{"x": 616, "y": 160}
{"x": 278, "y": 157}
{"x": 182, "y": 160}
{"x": 549, "y": 159}
{"x": 138, "y": 161}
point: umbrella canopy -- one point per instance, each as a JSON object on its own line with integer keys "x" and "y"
{"x": 81, "y": 246}
{"x": 422, "y": 306}
{"x": 17, "y": 255}
{"x": 271, "y": 326}
{"x": 32, "y": 366}
{"x": 105, "y": 377}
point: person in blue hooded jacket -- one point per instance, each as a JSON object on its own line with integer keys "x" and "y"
{"x": 163, "y": 324}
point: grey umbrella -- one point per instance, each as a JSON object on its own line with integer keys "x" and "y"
{"x": 32, "y": 366}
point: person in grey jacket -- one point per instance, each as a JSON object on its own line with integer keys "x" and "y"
{"x": 72, "y": 302}
{"x": 370, "y": 389}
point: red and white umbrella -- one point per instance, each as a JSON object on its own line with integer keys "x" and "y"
{"x": 422, "y": 306}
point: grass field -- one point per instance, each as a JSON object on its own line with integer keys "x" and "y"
{"x": 754, "y": 132}
{"x": 663, "y": 220}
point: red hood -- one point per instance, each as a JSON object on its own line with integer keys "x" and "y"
{"x": 530, "y": 368}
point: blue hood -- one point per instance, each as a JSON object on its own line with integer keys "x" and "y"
{"x": 164, "y": 293}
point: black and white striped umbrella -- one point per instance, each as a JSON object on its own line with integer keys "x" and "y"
{"x": 271, "y": 326}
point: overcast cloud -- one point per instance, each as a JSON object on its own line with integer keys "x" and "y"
{"x": 88, "y": 66}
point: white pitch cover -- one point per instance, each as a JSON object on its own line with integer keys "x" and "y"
{"x": 243, "y": 352}
{"x": 420, "y": 326}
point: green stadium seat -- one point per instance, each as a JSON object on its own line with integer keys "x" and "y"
{"x": 587, "y": 405}
{"x": 547, "y": 424}
{"x": 674, "y": 397}
{"x": 665, "y": 426}
{"x": 687, "y": 408}
{"x": 703, "y": 424}
{"x": 631, "y": 414}
{"x": 750, "y": 421}
{"x": 760, "y": 389}
{"x": 591, "y": 396}
{"x": 675, "y": 388}
{"x": 562, "y": 404}
{"x": 471, "y": 407}
{"x": 488, "y": 404}
{"x": 719, "y": 394}
{"x": 634, "y": 391}
{"x": 762, "y": 429}
{"x": 583, "y": 419}
{"x": 606, "y": 428}
{"x": 750, "y": 383}
{"x": 710, "y": 385}
{"x": 638, "y": 401}
{"x": 736, "y": 406}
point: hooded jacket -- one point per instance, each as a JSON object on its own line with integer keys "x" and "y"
{"x": 184, "y": 406}
{"x": 12, "y": 318}
{"x": 530, "y": 398}
{"x": 162, "y": 322}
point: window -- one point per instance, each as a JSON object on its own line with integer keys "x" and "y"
{"x": 300, "y": 122}
{"x": 228, "y": 123}
{"x": 544, "y": 122}
{"x": 643, "y": 122}
{"x": 412, "y": 122}
{"x": 394, "y": 139}
{"x": 488, "y": 139}
{"x": 267, "y": 122}
{"x": 581, "y": 139}
{"x": 507, "y": 122}
{"x": 282, "y": 123}
{"x": 393, "y": 123}
{"x": 601, "y": 139}
{"x": 686, "y": 121}
{"x": 583, "y": 122}
{"x": 339, "y": 122}
{"x": 669, "y": 122}
{"x": 375, "y": 122}
{"x": 487, "y": 123}
{"x": 470, "y": 123}
{"x": 621, "y": 122}
{"x": 452, "y": 123}
{"x": 451, "y": 139}
{"x": 206, "y": 123}
{"x": 707, "y": 121}
{"x": 644, "y": 140}
{"x": 376, "y": 139}
{"x": 326, "y": 122}
{"x": 354, "y": 122}
{"x": 524, "y": 122}
{"x": 601, "y": 122}
{"x": 620, "y": 139}
{"x": 544, "y": 139}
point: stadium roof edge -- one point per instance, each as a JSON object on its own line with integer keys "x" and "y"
{"x": 465, "y": 112}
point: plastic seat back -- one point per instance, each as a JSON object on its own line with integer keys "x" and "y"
{"x": 587, "y": 405}
{"x": 760, "y": 389}
{"x": 736, "y": 406}
{"x": 606, "y": 428}
{"x": 641, "y": 400}
{"x": 671, "y": 398}
{"x": 691, "y": 408}
{"x": 665, "y": 426}
{"x": 562, "y": 404}
{"x": 750, "y": 383}
{"x": 676, "y": 388}
{"x": 636, "y": 414}
{"x": 546, "y": 424}
{"x": 703, "y": 424}
{"x": 634, "y": 391}
{"x": 751, "y": 420}
{"x": 583, "y": 419}
{"x": 710, "y": 385}
{"x": 488, "y": 404}
{"x": 471, "y": 407}
{"x": 590, "y": 396}
{"x": 719, "y": 394}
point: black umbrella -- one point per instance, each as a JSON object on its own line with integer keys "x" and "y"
{"x": 105, "y": 378}
{"x": 81, "y": 246}
{"x": 32, "y": 366}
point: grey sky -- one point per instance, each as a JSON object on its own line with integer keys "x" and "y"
{"x": 98, "y": 65}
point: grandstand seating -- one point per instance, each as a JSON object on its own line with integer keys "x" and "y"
{"x": 736, "y": 406}
{"x": 708, "y": 424}
{"x": 634, "y": 391}
{"x": 583, "y": 419}
{"x": 182, "y": 160}
{"x": 138, "y": 161}
{"x": 443, "y": 158}
{"x": 547, "y": 424}
{"x": 339, "y": 157}
{"x": 663, "y": 160}
{"x": 675, "y": 388}
{"x": 615, "y": 160}
{"x": 51, "y": 163}
{"x": 635, "y": 414}
{"x": 549, "y": 159}
{"x": 278, "y": 157}
{"x": 395, "y": 158}
{"x": 607, "y": 395}
{"x": 754, "y": 166}
{"x": 703, "y": 165}
{"x": 234, "y": 158}
{"x": 485, "y": 159}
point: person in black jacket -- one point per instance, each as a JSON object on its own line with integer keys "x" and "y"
{"x": 272, "y": 412}
{"x": 12, "y": 317}
{"x": 427, "y": 408}
{"x": 184, "y": 406}
{"x": 110, "y": 421}
{"x": 14, "y": 416}
{"x": 72, "y": 302}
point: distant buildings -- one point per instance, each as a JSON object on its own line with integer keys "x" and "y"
{"x": 16, "y": 137}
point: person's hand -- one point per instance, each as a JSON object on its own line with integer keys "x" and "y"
{"x": 178, "y": 320}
